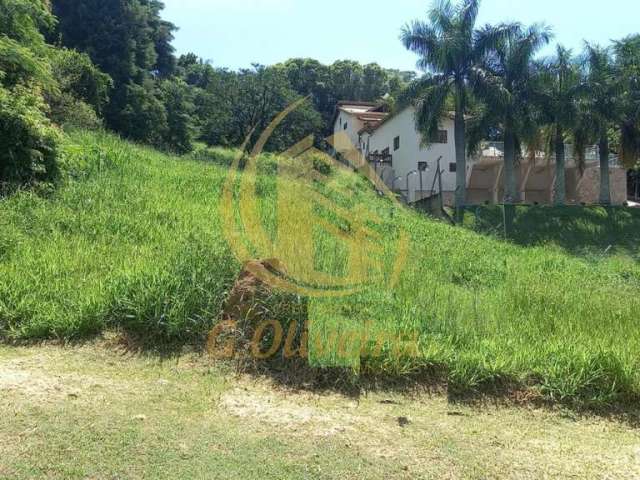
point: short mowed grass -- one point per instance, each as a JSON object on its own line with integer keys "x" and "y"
{"x": 133, "y": 240}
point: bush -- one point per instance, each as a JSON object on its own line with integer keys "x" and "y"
{"x": 68, "y": 111}
{"x": 28, "y": 141}
{"x": 179, "y": 106}
{"x": 138, "y": 114}
{"x": 82, "y": 91}
{"x": 20, "y": 66}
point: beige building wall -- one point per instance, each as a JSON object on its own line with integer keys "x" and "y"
{"x": 588, "y": 187}
{"x": 536, "y": 183}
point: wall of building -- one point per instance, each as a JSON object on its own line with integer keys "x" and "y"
{"x": 406, "y": 158}
{"x": 354, "y": 125}
{"x": 487, "y": 184}
{"x": 588, "y": 187}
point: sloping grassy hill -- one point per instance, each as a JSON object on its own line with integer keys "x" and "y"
{"x": 133, "y": 240}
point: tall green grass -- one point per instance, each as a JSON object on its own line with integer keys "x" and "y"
{"x": 133, "y": 240}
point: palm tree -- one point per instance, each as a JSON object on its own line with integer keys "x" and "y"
{"x": 628, "y": 73}
{"x": 449, "y": 47}
{"x": 558, "y": 89}
{"x": 504, "y": 83}
{"x": 599, "y": 111}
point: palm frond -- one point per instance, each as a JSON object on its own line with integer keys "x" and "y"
{"x": 441, "y": 16}
{"x": 422, "y": 39}
{"x": 489, "y": 37}
{"x": 430, "y": 106}
{"x": 468, "y": 14}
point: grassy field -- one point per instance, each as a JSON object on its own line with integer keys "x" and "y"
{"x": 94, "y": 412}
{"x": 133, "y": 241}
{"x": 582, "y": 231}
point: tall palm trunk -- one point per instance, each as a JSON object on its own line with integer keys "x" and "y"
{"x": 461, "y": 156}
{"x": 605, "y": 185}
{"x": 560, "y": 186}
{"x": 510, "y": 188}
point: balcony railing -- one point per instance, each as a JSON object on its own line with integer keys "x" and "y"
{"x": 380, "y": 158}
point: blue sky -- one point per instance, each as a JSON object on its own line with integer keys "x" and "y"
{"x": 235, "y": 33}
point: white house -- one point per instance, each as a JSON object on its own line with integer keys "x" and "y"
{"x": 349, "y": 120}
{"x": 393, "y": 145}
{"x": 403, "y": 160}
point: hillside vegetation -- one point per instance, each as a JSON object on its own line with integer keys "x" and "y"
{"x": 133, "y": 241}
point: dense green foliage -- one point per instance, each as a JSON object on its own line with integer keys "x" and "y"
{"x": 28, "y": 141}
{"x": 230, "y": 104}
{"x": 627, "y": 72}
{"x": 169, "y": 102}
{"x": 40, "y": 84}
{"x": 130, "y": 42}
{"x": 82, "y": 91}
{"x": 133, "y": 241}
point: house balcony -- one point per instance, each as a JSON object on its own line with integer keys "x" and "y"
{"x": 380, "y": 158}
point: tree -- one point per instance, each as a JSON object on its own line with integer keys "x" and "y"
{"x": 627, "y": 67}
{"x": 450, "y": 48}
{"x": 347, "y": 80}
{"x": 599, "y": 111}
{"x": 166, "y": 63}
{"x": 177, "y": 98}
{"x": 130, "y": 42}
{"x": 144, "y": 116}
{"x": 24, "y": 21}
{"x": 235, "y": 103}
{"x": 375, "y": 82}
{"x": 309, "y": 77}
{"x": 505, "y": 85}
{"x": 82, "y": 91}
{"x": 558, "y": 89}
{"x": 262, "y": 93}
{"x": 116, "y": 34}
{"x": 28, "y": 141}
{"x": 344, "y": 80}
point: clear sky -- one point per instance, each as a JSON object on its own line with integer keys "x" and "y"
{"x": 236, "y": 33}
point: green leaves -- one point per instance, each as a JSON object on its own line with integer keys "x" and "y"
{"x": 22, "y": 66}
{"x": 28, "y": 142}
{"x": 23, "y": 21}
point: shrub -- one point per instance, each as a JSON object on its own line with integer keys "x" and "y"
{"x": 82, "y": 91}
{"x": 138, "y": 114}
{"x": 179, "y": 106}
{"x": 28, "y": 141}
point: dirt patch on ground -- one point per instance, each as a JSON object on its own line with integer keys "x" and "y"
{"x": 30, "y": 379}
{"x": 27, "y": 383}
{"x": 379, "y": 429}
{"x": 295, "y": 412}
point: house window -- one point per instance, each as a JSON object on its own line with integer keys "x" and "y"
{"x": 396, "y": 144}
{"x": 453, "y": 167}
{"x": 345, "y": 125}
{"x": 440, "y": 137}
